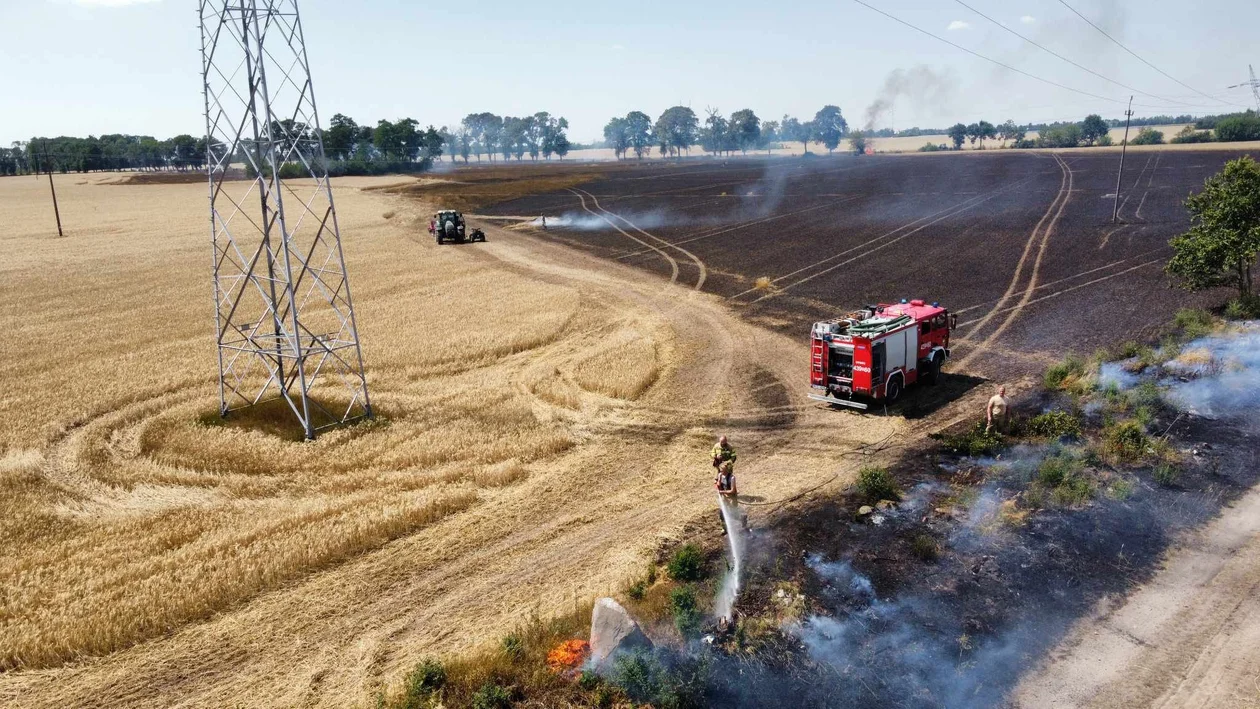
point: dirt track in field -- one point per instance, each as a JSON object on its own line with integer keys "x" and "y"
{"x": 561, "y": 527}
{"x": 1021, "y": 245}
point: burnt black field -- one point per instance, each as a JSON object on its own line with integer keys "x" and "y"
{"x": 833, "y": 233}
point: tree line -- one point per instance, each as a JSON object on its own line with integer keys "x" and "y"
{"x": 678, "y": 129}
{"x": 108, "y": 152}
{"x": 350, "y": 148}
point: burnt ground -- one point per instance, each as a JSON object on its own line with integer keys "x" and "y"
{"x": 835, "y": 232}
{"x": 888, "y": 625}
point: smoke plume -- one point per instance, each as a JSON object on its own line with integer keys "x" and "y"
{"x": 920, "y": 85}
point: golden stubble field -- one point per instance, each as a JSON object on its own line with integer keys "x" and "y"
{"x": 545, "y": 418}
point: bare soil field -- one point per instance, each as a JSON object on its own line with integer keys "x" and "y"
{"x": 545, "y": 417}
{"x": 547, "y": 398}
{"x": 1020, "y": 245}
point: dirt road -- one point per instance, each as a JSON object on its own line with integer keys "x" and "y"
{"x": 558, "y": 529}
{"x": 1190, "y": 638}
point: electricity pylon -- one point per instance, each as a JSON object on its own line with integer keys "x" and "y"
{"x": 1254, "y": 84}
{"x": 285, "y": 320}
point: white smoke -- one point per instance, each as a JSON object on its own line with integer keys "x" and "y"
{"x": 735, "y": 539}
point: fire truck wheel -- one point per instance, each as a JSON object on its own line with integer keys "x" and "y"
{"x": 934, "y": 373}
{"x": 893, "y": 391}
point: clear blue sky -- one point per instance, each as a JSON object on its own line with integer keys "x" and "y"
{"x": 133, "y": 66}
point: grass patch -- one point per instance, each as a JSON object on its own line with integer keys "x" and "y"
{"x": 1243, "y": 308}
{"x": 662, "y": 680}
{"x": 975, "y": 441}
{"x": 509, "y": 671}
{"x": 1054, "y": 425}
{"x": 1070, "y": 375}
{"x": 1061, "y": 477}
{"x": 1166, "y": 473}
{"x": 925, "y": 548}
{"x": 877, "y": 484}
{"x": 1125, "y": 441}
{"x": 686, "y": 564}
{"x": 1193, "y": 323}
{"x": 686, "y": 610}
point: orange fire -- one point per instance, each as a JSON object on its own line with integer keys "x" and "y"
{"x": 568, "y": 655}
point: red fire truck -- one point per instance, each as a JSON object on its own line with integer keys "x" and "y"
{"x": 872, "y": 355}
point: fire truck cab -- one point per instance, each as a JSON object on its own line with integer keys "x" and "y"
{"x": 873, "y": 354}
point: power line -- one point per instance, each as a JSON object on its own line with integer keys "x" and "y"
{"x": 1130, "y": 51}
{"x": 987, "y": 59}
{"x": 1069, "y": 61}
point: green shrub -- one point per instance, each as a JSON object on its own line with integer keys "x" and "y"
{"x": 877, "y": 484}
{"x": 933, "y": 147}
{"x": 492, "y": 696}
{"x": 925, "y": 547}
{"x": 1130, "y": 348}
{"x": 1166, "y": 474}
{"x": 1059, "y": 468}
{"x": 421, "y": 683}
{"x": 1146, "y": 394}
{"x": 1125, "y": 441}
{"x": 1193, "y": 323}
{"x": 637, "y": 590}
{"x": 1120, "y": 489}
{"x": 1190, "y": 135}
{"x": 1055, "y": 424}
{"x": 1243, "y": 308}
{"x": 687, "y": 564}
{"x": 687, "y": 618}
{"x": 1064, "y": 375}
{"x": 1148, "y": 136}
{"x": 513, "y": 646}
{"x": 645, "y": 679}
{"x": 1076, "y": 490}
{"x": 974, "y": 441}
{"x": 1144, "y": 415}
{"x": 1238, "y": 127}
{"x": 588, "y": 680}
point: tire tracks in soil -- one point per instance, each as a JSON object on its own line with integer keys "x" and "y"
{"x": 935, "y": 218}
{"x": 1040, "y": 237}
{"x": 703, "y": 271}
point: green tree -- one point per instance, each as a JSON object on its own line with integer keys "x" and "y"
{"x": 1242, "y": 126}
{"x": 432, "y": 142}
{"x": 713, "y": 136}
{"x": 617, "y": 136}
{"x": 830, "y": 126}
{"x": 793, "y": 130}
{"x": 340, "y": 137}
{"x": 639, "y": 133}
{"x": 1093, "y": 128}
{"x": 857, "y": 141}
{"x": 985, "y": 131}
{"x": 769, "y": 134}
{"x": 677, "y": 129}
{"x": 385, "y": 140}
{"x": 1148, "y": 136}
{"x": 957, "y": 133}
{"x": 745, "y": 128}
{"x": 973, "y": 133}
{"x": 1224, "y": 237}
{"x": 1008, "y": 131}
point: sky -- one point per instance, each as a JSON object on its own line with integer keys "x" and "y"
{"x": 80, "y": 67}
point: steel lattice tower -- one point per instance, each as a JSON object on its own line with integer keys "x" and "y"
{"x": 285, "y": 320}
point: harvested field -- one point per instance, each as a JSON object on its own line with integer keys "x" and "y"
{"x": 544, "y": 421}
{"x": 1019, "y": 244}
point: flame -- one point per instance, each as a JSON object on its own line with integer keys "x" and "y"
{"x": 568, "y": 655}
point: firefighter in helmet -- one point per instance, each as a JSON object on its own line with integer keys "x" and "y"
{"x": 723, "y": 454}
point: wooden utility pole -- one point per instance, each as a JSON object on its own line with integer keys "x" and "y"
{"x": 1115, "y": 208}
{"x": 52, "y": 188}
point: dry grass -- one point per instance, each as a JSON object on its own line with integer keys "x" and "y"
{"x": 489, "y": 184}
{"x": 129, "y": 509}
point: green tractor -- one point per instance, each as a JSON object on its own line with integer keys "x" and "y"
{"x": 448, "y": 225}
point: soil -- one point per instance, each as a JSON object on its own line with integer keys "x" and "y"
{"x": 1019, "y": 244}
{"x": 961, "y": 626}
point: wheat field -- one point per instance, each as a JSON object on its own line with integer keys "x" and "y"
{"x": 154, "y": 555}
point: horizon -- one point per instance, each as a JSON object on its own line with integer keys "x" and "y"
{"x": 510, "y": 60}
